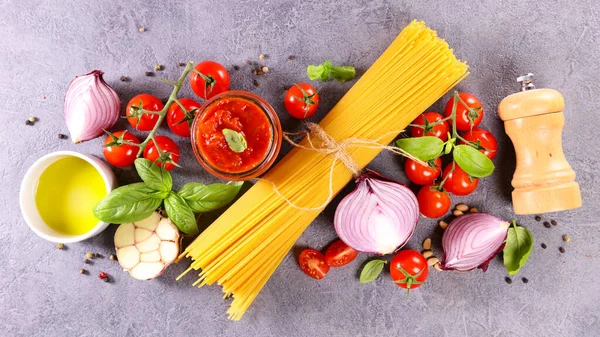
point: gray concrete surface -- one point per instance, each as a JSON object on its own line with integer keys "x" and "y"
{"x": 44, "y": 44}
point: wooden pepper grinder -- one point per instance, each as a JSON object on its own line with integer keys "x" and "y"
{"x": 543, "y": 180}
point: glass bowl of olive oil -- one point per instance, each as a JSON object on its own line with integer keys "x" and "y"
{"x": 59, "y": 192}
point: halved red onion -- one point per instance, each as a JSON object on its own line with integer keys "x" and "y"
{"x": 470, "y": 241}
{"x": 91, "y": 106}
{"x": 379, "y": 216}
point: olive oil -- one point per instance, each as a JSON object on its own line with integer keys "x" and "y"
{"x": 66, "y": 194}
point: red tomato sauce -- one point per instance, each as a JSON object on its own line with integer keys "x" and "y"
{"x": 243, "y": 116}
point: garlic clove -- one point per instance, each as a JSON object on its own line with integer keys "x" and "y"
{"x": 169, "y": 251}
{"x": 153, "y": 256}
{"x": 148, "y": 245}
{"x": 128, "y": 256}
{"x": 147, "y": 270}
{"x": 124, "y": 236}
{"x": 142, "y": 234}
{"x": 150, "y": 223}
{"x": 166, "y": 230}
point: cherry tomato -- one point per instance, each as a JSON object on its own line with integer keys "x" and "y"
{"x": 169, "y": 155}
{"x": 465, "y": 120}
{"x": 214, "y": 79}
{"x": 422, "y": 175}
{"x": 409, "y": 269}
{"x": 313, "y": 263}
{"x": 439, "y": 130}
{"x": 433, "y": 203}
{"x": 339, "y": 254}
{"x": 117, "y": 151}
{"x": 459, "y": 182}
{"x": 484, "y": 140}
{"x": 179, "y": 122}
{"x": 301, "y": 101}
{"x": 144, "y": 122}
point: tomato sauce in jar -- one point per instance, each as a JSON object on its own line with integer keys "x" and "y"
{"x": 241, "y": 114}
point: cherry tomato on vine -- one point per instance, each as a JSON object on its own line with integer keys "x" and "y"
{"x": 409, "y": 269}
{"x": 339, "y": 254}
{"x": 484, "y": 140}
{"x": 466, "y": 119}
{"x": 214, "y": 79}
{"x": 426, "y": 120}
{"x": 313, "y": 263}
{"x": 433, "y": 203}
{"x": 458, "y": 181}
{"x": 143, "y": 122}
{"x": 301, "y": 100}
{"x": 179, "y": 121}
{"x": 117, "y": 151}
{"x": 420, "y": 174}
{"x": 169, "y": 155}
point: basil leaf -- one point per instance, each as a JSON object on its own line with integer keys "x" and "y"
{"x": 235, "y": 140}
{"x": 129, "y": 203}
{"x": 181, "y": 214}
{"x": 155, "y": 177}
{"x": 371, "y": 271}
{"x": 475, "y": 163}
{"x": 343, "y": 73}
{"x": 206, "y": 198}
{"x": 519, "y": 243}
{"x": 425, "y": 148}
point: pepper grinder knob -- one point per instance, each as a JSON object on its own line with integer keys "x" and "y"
{"x": 526, "y": 82}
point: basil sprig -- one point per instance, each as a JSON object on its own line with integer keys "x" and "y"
{"x": 519, "y": 243}
{"x": 135, "y": 202}
{"x": 371, "y": 271}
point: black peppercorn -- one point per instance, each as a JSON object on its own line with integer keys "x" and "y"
{"x": 538, "y": 218}
{"x": 547, "y": 224}
{"x": 525, "y": 280}
{"x": 553, "y": 222}
{"x": 562, "y": 250}
{"x": 508, "y": 280}
{"x": 544, "y": 245}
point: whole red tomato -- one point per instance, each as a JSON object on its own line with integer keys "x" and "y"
{"x": 313, "y": 263}
{"x": 409, "y": 269}
{"x": 118, "y": 149}
{"x": 427, "y": 120}
{"x": 433, "y": 203}
{"x": 301, "y": 100}
{"x": 169, "y": 152}
{"x": 178, "y": 120}
{"x": 458, "y": 181}
{"x": 423, "y": 175}
{"x": 214, "y": 79}
{"x": 143, "y": 122}
{"x": 339, "y": 254}
{"x": 466, "y": 118}
{"x": 483, "y": 140}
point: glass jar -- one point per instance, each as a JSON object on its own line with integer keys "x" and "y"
{"x": 236, "y": 109}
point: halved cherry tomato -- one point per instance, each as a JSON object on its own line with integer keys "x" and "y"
{"x": 313, "y": 263}
{"x": 301, "y": 100}
{"x": 214, "y": 79}
{"x": 433, "y": 203}
{"x": 179, "y": 122}
{"x": 458, "y": 181}
{"x": 466, "y": 119}
{"x": 423, "y": 175}
{"x": 409, "y": 269}
{"x": 427, "y": 120}
{"x": 169, "y": 152}
{"x": 483, "y": 140}
{"x": 339, "y": 254}
{"x": 143, "y": 122}
{"x": 117, "y": 151}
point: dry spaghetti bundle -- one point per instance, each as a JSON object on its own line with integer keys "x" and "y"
{"x": 243, "y": 247}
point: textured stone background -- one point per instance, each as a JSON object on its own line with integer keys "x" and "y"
{"x": 44, "y": 44}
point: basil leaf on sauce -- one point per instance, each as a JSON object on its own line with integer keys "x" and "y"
{"x": 206, "y": 198}
{"x": 235, "y": 140}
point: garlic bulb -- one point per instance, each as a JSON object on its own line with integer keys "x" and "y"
{"x": 91, "y": 106}
{"x": 145, "y": 248}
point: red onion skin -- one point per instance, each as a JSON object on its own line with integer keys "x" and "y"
{"x": 91, "y": 106}
{"x": 355, "y": 234}
{"x": 467, "y": 224}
